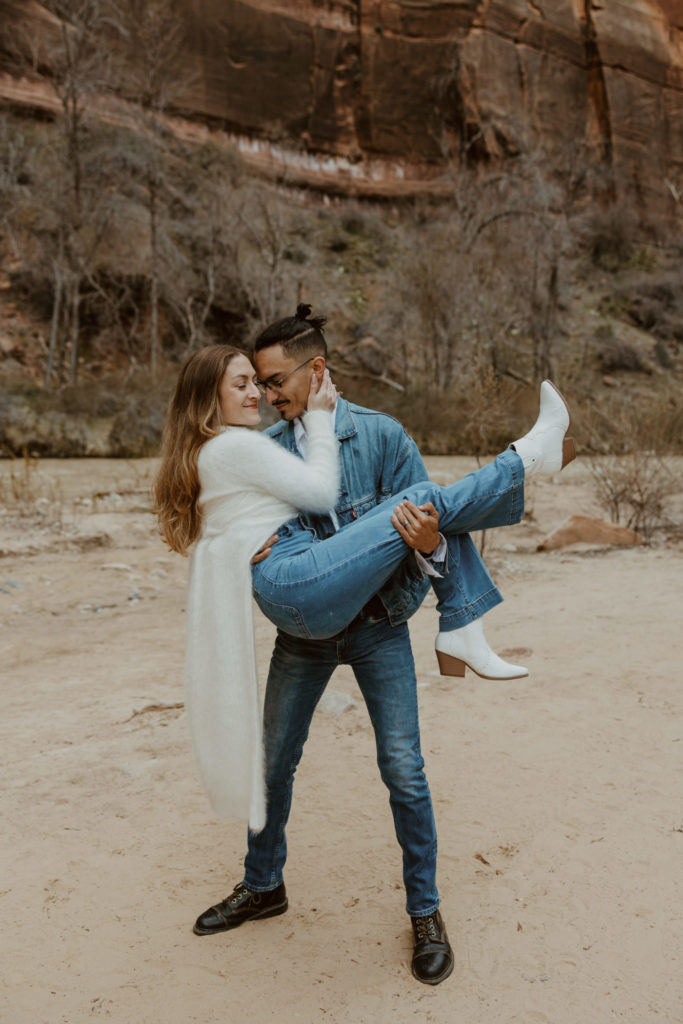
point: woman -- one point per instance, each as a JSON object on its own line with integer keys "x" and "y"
{"x": 228, "y": 488}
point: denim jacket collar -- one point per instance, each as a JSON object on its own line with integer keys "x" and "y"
{"x": 344, "y": 424}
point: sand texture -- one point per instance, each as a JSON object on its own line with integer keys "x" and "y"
{"x": 559, "y": 798}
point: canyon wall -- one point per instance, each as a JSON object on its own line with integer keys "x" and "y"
{"x": 392, "y": 96}
{"x": 414, "y": 85}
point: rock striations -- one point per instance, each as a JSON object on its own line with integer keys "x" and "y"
{"x": 382, "y": 96}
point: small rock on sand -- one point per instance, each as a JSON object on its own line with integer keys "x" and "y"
{"x": 587, "y": 530}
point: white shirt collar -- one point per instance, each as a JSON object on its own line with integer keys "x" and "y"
{"x": 300, "y": 429}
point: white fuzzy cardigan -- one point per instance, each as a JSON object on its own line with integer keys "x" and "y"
{"x": 249, "y": 487}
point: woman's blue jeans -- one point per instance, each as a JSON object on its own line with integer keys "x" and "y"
{"x": 313, "y": 588}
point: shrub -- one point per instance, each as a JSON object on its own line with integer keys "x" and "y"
{"x": 610, "y": 241}
{"x": 633, "y": 489}
{"x": 619, "y": 355}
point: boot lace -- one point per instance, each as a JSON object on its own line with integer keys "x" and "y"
{"x": 425, "y": 928}
{"x": 238, "y": 894}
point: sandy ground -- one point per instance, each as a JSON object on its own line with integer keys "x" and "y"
{"x": 559, "y": 798}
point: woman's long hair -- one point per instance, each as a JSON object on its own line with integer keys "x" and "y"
{"x": 193, "y": 417}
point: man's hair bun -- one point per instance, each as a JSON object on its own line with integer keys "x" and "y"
{"x": 300, "y": 335}
{"x": 303, "y": 313}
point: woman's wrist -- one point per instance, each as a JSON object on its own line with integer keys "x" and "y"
{"x": 329, "y": 413}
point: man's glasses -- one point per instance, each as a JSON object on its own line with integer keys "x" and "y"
{"x": 275, "y": 384}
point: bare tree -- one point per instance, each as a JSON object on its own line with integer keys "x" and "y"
{"x": 15, "y": 156}
{"x": 268, "y": 280}
{"x": 150, "y": 33}
{"x": 482, "y": 279}
{"x": 75, "y": 60}
{"x": 79, "y": 65}
{"x": 17, "y": 166}
{"x": 209, "y": 234}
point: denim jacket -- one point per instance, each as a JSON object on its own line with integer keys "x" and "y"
{"x": 378, "y": 459}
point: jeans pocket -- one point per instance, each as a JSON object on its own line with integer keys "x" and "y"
{"x": 283, "y": 616}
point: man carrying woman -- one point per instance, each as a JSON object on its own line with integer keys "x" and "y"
{"x": 376, "y": 459}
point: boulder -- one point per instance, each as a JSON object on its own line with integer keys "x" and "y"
{"x": 587, "y": 530}
{"x": 27, "y": 430}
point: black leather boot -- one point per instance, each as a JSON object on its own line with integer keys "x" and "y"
{"x": 432, "y": 955}
{"x": 240, "y": 906}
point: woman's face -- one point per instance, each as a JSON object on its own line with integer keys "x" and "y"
{"x": 239, "y": 396}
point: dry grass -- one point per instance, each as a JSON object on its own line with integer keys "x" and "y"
{"x": 23, "y": 488}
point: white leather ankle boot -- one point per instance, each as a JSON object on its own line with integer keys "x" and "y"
{"x": 467, "y": 646}
{"x": 545, "y": 449}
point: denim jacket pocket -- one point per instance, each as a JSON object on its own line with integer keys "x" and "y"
{"x": 348, "y": 511}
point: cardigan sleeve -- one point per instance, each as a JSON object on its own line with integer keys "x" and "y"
{"x": 249, "y": 458}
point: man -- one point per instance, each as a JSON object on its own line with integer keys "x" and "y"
{"x": 378, "y": 459}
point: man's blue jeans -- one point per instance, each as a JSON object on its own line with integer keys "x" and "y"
{"x": 305, "y": 591}
{"x": 382, "y": 661}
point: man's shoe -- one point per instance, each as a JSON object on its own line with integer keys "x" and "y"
{"x": 241, "y": 905}
{"x": 432, "y": 955}
{"x": 545, "y": 449}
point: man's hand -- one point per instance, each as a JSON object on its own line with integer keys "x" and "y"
{"x": 265, "y": 550}
{"x": 418, "y": 525}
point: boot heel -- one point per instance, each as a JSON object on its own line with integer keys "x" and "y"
{"x": 450, "y": 666}
{"x": 568, "y": 451}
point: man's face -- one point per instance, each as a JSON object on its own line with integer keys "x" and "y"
{"x": 290, "y": 398}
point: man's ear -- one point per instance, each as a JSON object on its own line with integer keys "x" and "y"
{"x": 318, "y": 366}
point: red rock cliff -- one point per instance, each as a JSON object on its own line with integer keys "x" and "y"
{"x": 377, "y": 95}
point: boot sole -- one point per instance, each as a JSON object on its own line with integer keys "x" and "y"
{"x": 450, "y": 666}
{"x": 269, "y": 912}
